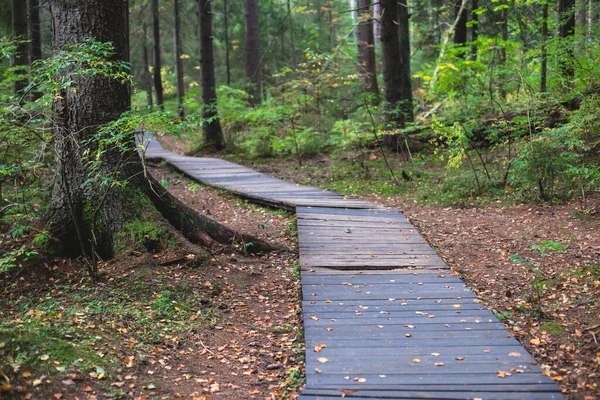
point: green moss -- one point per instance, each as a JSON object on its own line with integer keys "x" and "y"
{"x": 551, "y": 327}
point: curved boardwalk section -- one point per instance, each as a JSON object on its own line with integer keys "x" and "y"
{"x": 384, "y": 317}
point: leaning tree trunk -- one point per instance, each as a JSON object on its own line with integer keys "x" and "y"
{"x": 19, "y": 25}
{"x": 212, "y": 135}
{"x": 87, "y": 218}
{"x": 253, "y": 74}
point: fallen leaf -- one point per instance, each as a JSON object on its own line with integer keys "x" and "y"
{"x": 319, "y": 347}
{"x": 322, "y": 359}
{"x": 416, "y": 360}
{"x": 439, "y": 364}
{"x": 514, "y": 354}
{"x": 535, "y": 341}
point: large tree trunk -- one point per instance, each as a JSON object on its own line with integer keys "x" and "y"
{"x": 158, "y": 86}
{"x": 366, "y": 47}
{"x": 212, "y": 135}
{"x": 178, "y": 60}
{"x": 392, "y": 80}
{"x": 19, "y": 25}
{"x": 88, "y": 218}
{"x": 253, "y": 74}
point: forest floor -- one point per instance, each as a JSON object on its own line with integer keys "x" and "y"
{"x": 160, "y": 326}
{"x": 550, "y": 301}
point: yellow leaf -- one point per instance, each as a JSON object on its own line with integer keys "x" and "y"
{"x": 416, "y": 360}
{"x": 535, "y": 341}
{"x": 514, "y": 354}
{"x": 322, "y": 359}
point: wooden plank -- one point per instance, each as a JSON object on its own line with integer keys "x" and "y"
{"x": 363, "y": 279}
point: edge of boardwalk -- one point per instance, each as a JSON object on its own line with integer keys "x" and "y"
{"x": 384, "y": 317}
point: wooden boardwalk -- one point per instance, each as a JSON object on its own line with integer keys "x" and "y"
{"x": 384, "y": 318}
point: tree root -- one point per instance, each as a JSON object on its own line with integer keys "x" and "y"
{"x": 198, "y": 228}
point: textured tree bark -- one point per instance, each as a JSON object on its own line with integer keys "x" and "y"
{"x": 392, "y": 80}
{"x": 146, "y": 61}
{"x": 158, "y": 86}
{"x": 253, "y": 70}
{"x": 366, "y": 47}
{"x": 33, "y": 29}
{"x": 19, "y": 25}
{"x": 404, "y": 67}
{"x": 87, "y": 219}
{"x": 178, "y": 60}
{"x": 212, "y": 134}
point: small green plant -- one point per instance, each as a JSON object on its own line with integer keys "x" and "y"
{"x": 539, "y": 281}
{"x": 193, "y": 188}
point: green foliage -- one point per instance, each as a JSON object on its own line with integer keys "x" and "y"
{"x": 554, "y": 162}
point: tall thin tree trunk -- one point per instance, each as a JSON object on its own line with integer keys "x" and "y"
{"x": 19, "y": 26}
{"x": 460, "y": 32}
{"x": 212, "y": 134}
{"x": 253, "y": 70}
{"x": 566, "y": 29}
{"x": 178, "y": 59}
{"x": 404, "y": 67}
{"x": 544, "y": 50}
{"x": 226, "y": 29}
{"x": 377, "y": 22}
{"x": 291, "y": 22}
{"x": 34, "y": 34}
{"x": 146, "y": 61}
{"x": 158, "y": 87}
{"x": 366, "y": 47}
{"x": 392, "y": 80}
{"x": 474, "y": 28}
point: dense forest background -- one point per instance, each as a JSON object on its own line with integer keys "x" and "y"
{"x": 479, "y": 118}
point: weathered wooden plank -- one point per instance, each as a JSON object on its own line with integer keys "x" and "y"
{"x": 363, "y": 279}
{"x": 324, "y": 380}
{"x": 473, "y": 349}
